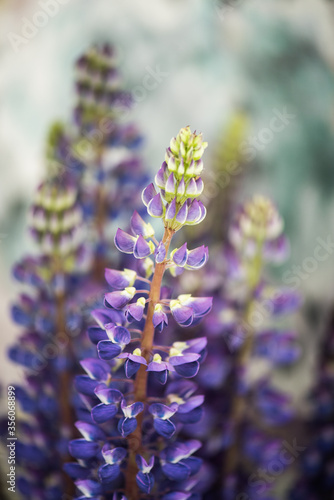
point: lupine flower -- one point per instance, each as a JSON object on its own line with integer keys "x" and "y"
{"x": 140, "y": 416}
{"x": 242, "y": 330}
{"x": 315, "y": 465}
{"x": 87, "y": 183}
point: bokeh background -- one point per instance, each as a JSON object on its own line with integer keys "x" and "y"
{"x": 213, "y": 62}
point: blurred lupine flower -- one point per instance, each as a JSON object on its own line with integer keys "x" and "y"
{"x": 242, "y": 330}
{"x": 315, "y": 477}
{"x": 99, "y": 150}
{"x": 56, "y": 220}
{"x": 137, "y": 414}
{"x": 93, "y": 171}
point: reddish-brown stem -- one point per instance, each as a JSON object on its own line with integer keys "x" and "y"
{"x": 140, "y": 394}
{"x": 100, "y": 261}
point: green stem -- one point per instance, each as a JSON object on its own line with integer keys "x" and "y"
{"x": 140, "y": 393}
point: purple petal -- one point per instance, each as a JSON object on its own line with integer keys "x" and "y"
{"x": 200, "y": 305}
{"x": 187, "y": 370}
{"x": 196, "y": 345}
{"x": 194, "y": 212}
{"x": 126, "y": 426}
{"x": 119, "y": 299}
{"x": 155, "y": 208}
{"x": 131, "y": 368}
{"x": 181, "y": 188}
{"x": 191, "y": 188}
{"x": 170, "y": 185}
{"x": 160, "y": 410}
{"x": 120, "y": 279}
{"x": 161, "y": 376}
{"x": 96, "y": 334}
{"x": 118, "y": 334}
{"x": 154, "y": 366}
{"x": 107, "y": 350}
{"x": 124, "y": 242}
{"x": 89, "y": 488}
{"x": 148, "y": 193}
{"x": 197, "y": 258}
{"x": 199, "y": 186}
{"x": 107, "y": 395}
{"x": 171, "y": 210}
{"x": 203, "y": 212}
{"x": 145, "y": 482}
{"x": 85, "y": 385}
{"x": 103, "y": 316}
{"x": 160, "y": 176}
{"x": 183, "y": 315}
{"x": 164, "y": 428}
{"x": 132, "y": 410}
{"x": 102, "y": 413}
{"x": 95, "y": 368}
{"x": 180, "y": 255}
{"x": 90, "y": 432}
{"x": 182, "y": 214}
{"x": 108, "y": 472}
{"x": 176, "y": 495}
{"x": 113, "y": 455}
{"x": 135, "y": 311}
{"x": 181, "y": 360}
{"x": 190, "y": 404}
{"x": 193, "y": 463}
{"x": 143, "y": 466}
{"x": 141, "y": 249}
{"x": 82, "y": 449}
{"x": 159, "y": 319}
{"x": 176, "y": 472}
{"x": 139, "y": 226}
{"x": 76, "y": 471}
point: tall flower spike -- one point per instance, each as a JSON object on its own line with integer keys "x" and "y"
{"x": 243, "y": 333}
{"x": 149, "y": 414}
{"x": 93, "y": 173}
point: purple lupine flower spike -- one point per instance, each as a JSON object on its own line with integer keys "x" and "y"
{"x": 133, "y": 410}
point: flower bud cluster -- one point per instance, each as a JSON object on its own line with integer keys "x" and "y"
{"x": 258, "y": 221}
{"x": 56, "y": 218}
{"x": 179, "y": 182}
{"x": 98, "y": 85}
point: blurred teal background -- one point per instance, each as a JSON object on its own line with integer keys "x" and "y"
{"x": 195, "y": 62}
